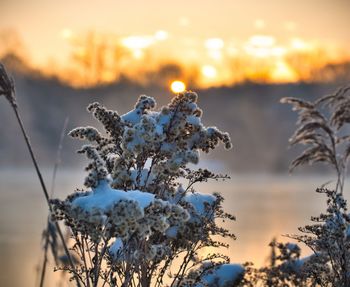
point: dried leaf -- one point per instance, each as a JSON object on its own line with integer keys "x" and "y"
{"x": 342, "y": 139}
{"x": 297, "y": 103}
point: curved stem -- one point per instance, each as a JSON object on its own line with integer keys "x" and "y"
{"x": 47, "y": 234}
{"x": 43, "y": 186}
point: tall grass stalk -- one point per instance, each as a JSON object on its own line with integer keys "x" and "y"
{"x": 48, "y": 230}
{"x": 7, "y": 89}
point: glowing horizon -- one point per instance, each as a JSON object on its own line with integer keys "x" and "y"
{"x": 115, "y": 39}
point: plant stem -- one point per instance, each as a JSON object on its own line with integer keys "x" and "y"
{"x": 43, "y": 186}
{"x": 47, "y": 234}
{"x": 43, "y": 270}
{"x": 26, "y": 138}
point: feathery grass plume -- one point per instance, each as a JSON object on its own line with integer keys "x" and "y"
{"x": 7, "y": 89}
{"x": 321, "y": 127}
{"x": 138, "y": 224}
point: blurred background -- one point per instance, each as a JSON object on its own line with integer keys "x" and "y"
{"x": 240, "y": 57}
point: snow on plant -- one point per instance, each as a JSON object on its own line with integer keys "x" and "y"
{"x": 322, "y": 127}
{"x": 138, "y": 225}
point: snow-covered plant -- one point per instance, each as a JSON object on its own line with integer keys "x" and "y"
{"x": 141, "y": 223}
{"x": 329, "y": 239}
{"x": 288, "y": 268}
{"x": 322, "y": 126}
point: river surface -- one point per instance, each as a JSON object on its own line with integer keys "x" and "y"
{"x": 266, "y": 206}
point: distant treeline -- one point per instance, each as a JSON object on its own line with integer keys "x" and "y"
{"x": 258, "y": 124}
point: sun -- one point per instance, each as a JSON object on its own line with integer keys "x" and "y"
{"x": 178, "y": 87}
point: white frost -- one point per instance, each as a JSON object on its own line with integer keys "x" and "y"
{"x": 115, "y": 247}
{"x": 199, "y": 202}
{"x": 133, "y": 117}
{"x": 103, "y": 197}
{"x": 224, "y": 275}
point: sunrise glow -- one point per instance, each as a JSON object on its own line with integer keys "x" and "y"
{"x": 137, "y": 43}
{"x": 222, "y": 49}
{"x": 66, "y": 33}
{"x": 152, "y": 87}
{"x": 177, "y": 87}
{"x": 161, "y": 35}
{"x": 209, "y": 71}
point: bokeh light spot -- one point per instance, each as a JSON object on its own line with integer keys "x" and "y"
{"x": 209, "y": 71}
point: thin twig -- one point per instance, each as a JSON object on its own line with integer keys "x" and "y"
{"x": 58, "y": 156}
{"x": 47, "y": 234}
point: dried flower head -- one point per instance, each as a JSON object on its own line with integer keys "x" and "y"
{"x": 7, "y": 87}
{"x": 137, "y": 213}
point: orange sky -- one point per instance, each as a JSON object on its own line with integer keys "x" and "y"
{"x": 206, "y": 34}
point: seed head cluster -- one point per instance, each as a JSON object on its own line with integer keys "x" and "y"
{"x": 137, "y": 212}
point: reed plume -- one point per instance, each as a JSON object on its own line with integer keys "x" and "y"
{"x": 321, "y": 127}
